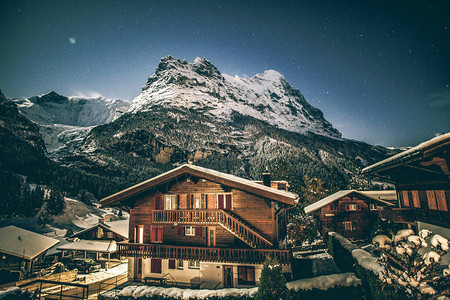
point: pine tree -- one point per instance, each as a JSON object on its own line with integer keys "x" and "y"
{"x": 312, "y": 190}
{"x": 272, "y": 283}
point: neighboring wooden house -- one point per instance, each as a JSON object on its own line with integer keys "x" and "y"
{"x": 422, "y": 179}
{"x": 21, "y": 250}
{"x": 351, "y": 213}
{"x": 204, "y": 227}
{"x": 114, "y": 230}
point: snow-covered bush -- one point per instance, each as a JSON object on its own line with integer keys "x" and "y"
{"x": 411, "y": 262}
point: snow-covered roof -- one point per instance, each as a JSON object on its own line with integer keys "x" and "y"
{"x": 24, "y": 243}
{"x": 409, "y": 155}
{"x": 390, "y": 195}
{"x": 119, "y": 227}
{"x": 338, "y": 195}
{"x": 212, "y": 175}
{"x": 91, "y": 246}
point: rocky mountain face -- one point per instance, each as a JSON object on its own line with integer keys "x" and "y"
{"x": 65, "y": 121}
{"x": 200, "y": 86}
{"x": 21, "y": 145}
{"x": 190, "y": 111}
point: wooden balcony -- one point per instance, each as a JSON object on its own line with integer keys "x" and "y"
{"x": 397, "y": 215}
{"x": 213, "y": 217}
{"x": 248, "y": 256}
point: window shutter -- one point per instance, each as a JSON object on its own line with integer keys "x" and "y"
{"x": 416, "y": 199}
{"x": 441, "y": 201}
{"x": 405, "y": 198}
{"x": 171, "y": 263}
{"x": 228, "y": 201}
{"x": 155, "y": 265}
{"x": 180, "y": 230}
{"x": 183, "y": 201}
{"x": 198, "y": 231}
{"x": 220, "y": 201}
{"x": 159, "y": 234}
{"x": 431, "y": 197}
{"x": 154, "y": 233}
{"x": 210, "y": 202}
{"x": 158, "y": 202}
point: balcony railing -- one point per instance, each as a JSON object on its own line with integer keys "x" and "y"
{"x": 397, "y": 215}
{"x": 213, "y": 216}
{"x": 249, "y": 256}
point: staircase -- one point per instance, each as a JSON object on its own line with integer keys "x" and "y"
{"x": 230, "y": 222}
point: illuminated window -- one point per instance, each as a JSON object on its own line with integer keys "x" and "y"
{"x": 194, "y": 264}
{"x": 373, "y": 206}
{"x": 348, "y": 226}
{"x": 180, "y": 264}
{"x": 189, "y": 231}
{"x": 351, "y": 207}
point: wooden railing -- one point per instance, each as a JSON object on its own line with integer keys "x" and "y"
{"x": 249, "y": 256}
{"x": 213, "y": 216}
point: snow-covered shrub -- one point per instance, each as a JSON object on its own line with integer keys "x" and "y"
{"x": 272, "y": 283}
{"x": 15, "y": 293}
{"x": 412, "y": 263}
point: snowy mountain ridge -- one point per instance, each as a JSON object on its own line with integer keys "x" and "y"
{"x": 65, "y": 121}
{"x": 201, "y": 86}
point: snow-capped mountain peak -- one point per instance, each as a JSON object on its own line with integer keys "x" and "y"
{"x": 200, "y": 85}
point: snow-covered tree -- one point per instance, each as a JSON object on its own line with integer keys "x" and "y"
{"x": 412, "y": 262}
{"x": 272, "y": 283}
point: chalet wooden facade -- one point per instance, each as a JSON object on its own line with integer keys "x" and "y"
{"x": 422, "y": 178}
{"x": 115, "y": 230}
{"x": 204, "y": 226}
{"x": 351, "y": 213}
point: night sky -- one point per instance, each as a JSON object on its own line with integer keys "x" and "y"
{"x": 379, "y": 70}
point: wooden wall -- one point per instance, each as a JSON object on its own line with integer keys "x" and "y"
{"x": 253, "y": 210}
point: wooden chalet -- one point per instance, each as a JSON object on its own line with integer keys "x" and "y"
{"x": 422, "y": 178}
{"x": 21, "y": 250}
{"x": 114, "y": 230}
{"x": 351, "y": 213}
{"x": 199, "y": 226}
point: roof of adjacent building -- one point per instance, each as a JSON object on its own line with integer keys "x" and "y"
{"x": 119, "y": 227}
{"x": 24, "y": 243}
{"x": 416, "y": 153}
{"x": 338, "y": 195}
{"x": 200, "y": 172}
{"x": 91, "y": 246}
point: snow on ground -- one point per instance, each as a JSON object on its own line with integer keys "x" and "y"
{"x": 325, "y": 282}
{"x": 367, "y": 261}
{"x": 150, "y": 291}
{"x": 103, "y": 274}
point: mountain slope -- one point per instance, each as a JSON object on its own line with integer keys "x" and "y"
{"x": 192, "y": 112}
{"x": 200, "y": 86}
{"x": 65, "y": 121}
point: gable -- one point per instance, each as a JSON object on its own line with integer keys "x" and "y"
{"x": 197, "y": 172}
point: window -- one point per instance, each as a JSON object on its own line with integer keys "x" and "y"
{"x": 351, "y": 207}
{"x": 431, "y": 197}
{"x": 194, "y": 264}
{"x": 109, "y": 235}
{"x": 333, "y": 207}
{"x": 405, "y": 198}
{"x": 373, "y": 206}
{"x": 441, "y": 201}
{"x": 246, "y": 275}
{"x": 180, "y": 264}
{"x": 139, "y": 234}
{"x": 170, "y": 201}
{"x": 157, "y": 202}
{"x": 189, "y": 231}
{"x": 348, "y": 226}
{"x": 224, "y": 201}
{"x": 415, "y": 198}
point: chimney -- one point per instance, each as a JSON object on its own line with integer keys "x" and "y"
{"x": 266, "y": 179}
{"x": 101, "y": 221}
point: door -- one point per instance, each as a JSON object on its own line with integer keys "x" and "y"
{"x": 227, "y": 276}
{"x": 211, "y": 236}
{"x": 138, "y": 268}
